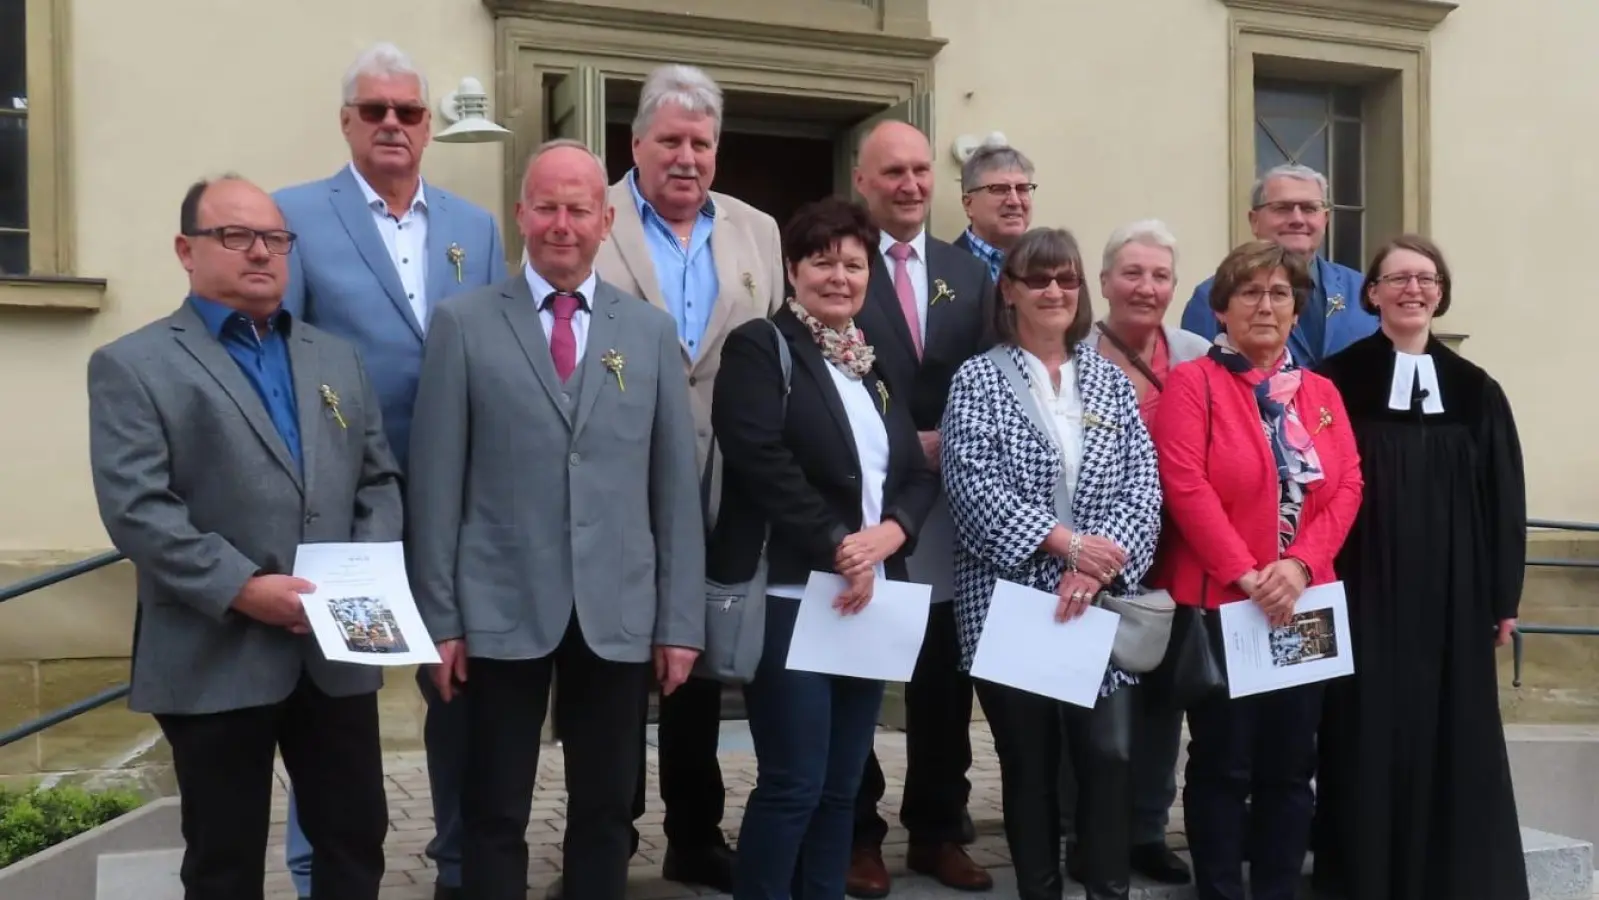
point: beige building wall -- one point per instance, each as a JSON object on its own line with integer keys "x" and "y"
{"x": 1123, "y": 104}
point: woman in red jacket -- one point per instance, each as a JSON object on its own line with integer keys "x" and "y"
{"x": 1262, "y": 481}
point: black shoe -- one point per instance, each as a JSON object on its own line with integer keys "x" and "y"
{"x": 1074, "y": 861}
{"x": 553, "y": 892}
{"x": 710, "y": 866}
{"x": 1157, "y": 862}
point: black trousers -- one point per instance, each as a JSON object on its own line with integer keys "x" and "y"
{"x": 688, "y": 728}
{"x": 1032, "y": 733}
{"x": 223, "y": 763}
{"x": 596, "y": 713}
{"x": 938, "y": 746}
{"x": 1259, "y": 749}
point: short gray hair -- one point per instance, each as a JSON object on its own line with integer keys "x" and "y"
{"x": 382, "y": 60}
{"x": 1288, "y": 170}
{"x": 686, "y": 86}
{"x": 556, "y": 144}
{"x": 1148, "y": 232}
{"x": 993, "y": 158}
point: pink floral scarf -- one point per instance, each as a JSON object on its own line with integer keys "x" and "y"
{"x": 846, "y": 349}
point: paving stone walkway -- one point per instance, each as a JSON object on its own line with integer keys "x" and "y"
{"x": 410, "y": 874}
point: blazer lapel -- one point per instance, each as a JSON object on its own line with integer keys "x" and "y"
{"x": 441, "y": 233}
{"x": 601, "y": 338}
{"x": 304, "y": 360}
{"x": 939, "y": 312}
{"x": 522, "y": 313}
{"x": 810, "y": 356}
{"x": 213, "y": 357}
{"x": 733, "y": 285}
{"x": 880, "y": 289}
{"x": 1100, "y": 432}
{"x": 357, "y": 219}
{"x": 628, "y": 233}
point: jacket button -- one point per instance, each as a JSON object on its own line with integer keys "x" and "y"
{"x": 573, "y": 459}
{"x": 692, "y": 381}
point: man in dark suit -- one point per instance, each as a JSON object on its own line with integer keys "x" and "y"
{"x": 221, "y": 439}
{"x": 379, "y": 251}
{"x": 556, "y": 531}
{"x": 924, "y": 316}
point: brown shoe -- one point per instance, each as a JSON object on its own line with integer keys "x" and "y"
{"x": 949, "y": 864}
{"x": 867, "y": 878}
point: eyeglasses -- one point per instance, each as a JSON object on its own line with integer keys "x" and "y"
{"x": 1287, "y": 207}
{"x": 1424, "y": 280}
{"x": 1068, "y": 281}
{"x": 1253, "y": 296}
{"x": 240, "y": 239}
{"x": 1000, "y": 191}
{"x": 375, "y": 113}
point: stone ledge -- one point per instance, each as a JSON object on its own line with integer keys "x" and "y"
{"x": 52, "y": 292}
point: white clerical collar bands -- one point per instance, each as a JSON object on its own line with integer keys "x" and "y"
{"x": 1409, "y": 369}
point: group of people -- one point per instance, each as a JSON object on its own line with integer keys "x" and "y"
{"x": 673, "y": 389}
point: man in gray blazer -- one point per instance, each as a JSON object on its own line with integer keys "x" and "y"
{"x": 379, "y": 251}
{"x": 555, "y": 531}
{"x": 221, "y": 438}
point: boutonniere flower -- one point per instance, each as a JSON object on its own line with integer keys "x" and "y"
{"x": 614, "y": 362}
{"x": 456, "y": 256}
{"x": 941, "y": 291}
{"x": 1335, "y": 303}
{"x": 749, "y": 284}
{"x": 882, "y": 395}
{"x": 1325, "y": 419}
{"x": 331, "y": 401}
{"x": 1095, "y": 420}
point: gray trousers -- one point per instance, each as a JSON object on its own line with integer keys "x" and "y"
{"x": 1157, "y": 736}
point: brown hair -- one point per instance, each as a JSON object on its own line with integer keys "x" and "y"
{"x": 1415, "y": 243}
{"x": 1036, "y": 252}
{"x": 819, "y": 225}
{"x": 1248, "y": 260}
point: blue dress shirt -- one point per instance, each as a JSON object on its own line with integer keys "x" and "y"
{"x": 264, "y": 361}
{"x": 687, "y": 278}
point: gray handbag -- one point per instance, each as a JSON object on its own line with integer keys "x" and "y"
{"x": 735, "y": 614}
{"x": 1146, "y": 618}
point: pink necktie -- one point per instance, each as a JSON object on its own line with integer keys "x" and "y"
{"x": 907, "y": 294}
{"x": 563, "y": 341}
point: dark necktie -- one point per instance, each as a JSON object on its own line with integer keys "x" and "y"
{"x": 563, "y": 341}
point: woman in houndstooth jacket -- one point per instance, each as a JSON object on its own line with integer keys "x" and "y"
{"x": 1052, "y": 483}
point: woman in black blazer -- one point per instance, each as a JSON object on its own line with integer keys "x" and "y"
{"x": 842, "y": 482}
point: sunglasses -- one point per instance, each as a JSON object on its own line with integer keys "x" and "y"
{"x": 377, "y": 113}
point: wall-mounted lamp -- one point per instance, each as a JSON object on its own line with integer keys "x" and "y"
{"x": 967, "y": 144}
{"x": 467, "y": 109}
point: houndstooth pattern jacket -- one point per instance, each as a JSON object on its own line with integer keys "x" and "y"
{"x": 1000, "y": 472}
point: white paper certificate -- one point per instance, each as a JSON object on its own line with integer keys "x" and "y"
{"x": 362, "y": 611}
{"x": 1023, "y": 647}
{"x": 881, "y": 642}
{"x": 1314, "y": 646}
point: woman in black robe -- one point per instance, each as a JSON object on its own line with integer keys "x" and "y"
{"x": 1414, "y": 794}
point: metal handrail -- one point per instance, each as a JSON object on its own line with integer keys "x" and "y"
{"x": 1517, "y": 644}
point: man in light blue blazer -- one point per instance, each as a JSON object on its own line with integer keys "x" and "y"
{"x": 378, "y": 251}
{"x": 1290, "y": 205}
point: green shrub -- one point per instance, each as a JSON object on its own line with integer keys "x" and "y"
{"x": 33, "y": 820}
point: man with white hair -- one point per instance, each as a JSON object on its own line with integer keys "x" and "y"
{"x": 713, "y": 262}
{"x": 378, "y": 251}
{"x": 1290, "y": 205}
{"x": 997, "y": 194}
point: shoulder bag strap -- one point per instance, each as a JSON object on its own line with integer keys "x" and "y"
{"x": 1132, "y": 357}
{"x": 1000, "y": 355}
{"x": 786, "y": 361}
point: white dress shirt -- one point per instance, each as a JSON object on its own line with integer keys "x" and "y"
{"x": 871, "y": 445}
{"x": 916, "y": 265}
{"x": 580, "y": 319}
{"x": 1063, "y": 414}
{"x": 406, "y": 239}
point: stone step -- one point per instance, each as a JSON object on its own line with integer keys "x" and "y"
{"x": 1558, "y": 868}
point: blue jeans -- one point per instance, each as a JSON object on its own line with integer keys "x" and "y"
{"x": 812, "y": 734}
{"x": 444, "y": 736}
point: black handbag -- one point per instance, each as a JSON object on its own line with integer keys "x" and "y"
{"x": 1194, "y": 670}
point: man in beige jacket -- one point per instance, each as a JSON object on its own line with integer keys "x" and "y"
{"x": 713, "y": 262}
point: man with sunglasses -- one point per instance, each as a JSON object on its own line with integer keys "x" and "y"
{"x": 379, "y": 251}
{"x": 1291, "y": 206}
{"x": 221, "y": 438}
{"x": 997, "y": 195}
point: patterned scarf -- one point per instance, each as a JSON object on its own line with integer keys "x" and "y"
{"x": 1274, "y": 389}
{"x": 845, "y": 349}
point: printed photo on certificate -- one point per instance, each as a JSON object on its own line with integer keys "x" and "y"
{"x": 1314, "y": 646}
{"x": 362, "y": 611}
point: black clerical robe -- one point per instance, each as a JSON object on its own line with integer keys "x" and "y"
{"x": 1413, "y": 792}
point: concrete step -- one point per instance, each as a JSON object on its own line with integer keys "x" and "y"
{"x": 1558, "y": 868}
